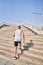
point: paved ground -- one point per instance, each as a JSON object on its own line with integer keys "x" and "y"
{"x": 5, "y": 62}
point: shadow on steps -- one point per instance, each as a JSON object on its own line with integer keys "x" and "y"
{"x": 27, "y": 46}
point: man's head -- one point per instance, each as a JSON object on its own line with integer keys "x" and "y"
{"x": 19, "y": 27}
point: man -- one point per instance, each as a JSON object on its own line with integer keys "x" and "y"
{"x": 18, "y": 37}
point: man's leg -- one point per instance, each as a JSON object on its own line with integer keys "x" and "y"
{"x": 21, "y": 51}
{"x": 15, "y": 48}
{"x": 15, "y": 51}
{"x": 20, "y": 45}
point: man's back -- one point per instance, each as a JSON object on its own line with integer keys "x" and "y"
{"x": 18, "y": 35}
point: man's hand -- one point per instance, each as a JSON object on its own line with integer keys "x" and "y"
{"x": 13, "y": 35}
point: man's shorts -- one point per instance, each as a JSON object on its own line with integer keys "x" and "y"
{"x": 16, "y": 43}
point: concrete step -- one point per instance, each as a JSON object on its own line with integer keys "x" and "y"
{"x": 7, "y": 47}
{"x": 17, "y": 62}
{"x": 29, "y": 53}
{"x": 33, "y": 55}
{"x": 33, "y": 36}
{"x": 38, "y": 47}
{"x": 28, "y": 33}
{"x": 6, "y": 41}
{"x": 38, "y": 44}
{"x": 7, "y": 44}
{"x": 35, "y": 61}
{"x": 36, "y": 36}
{"x": 26, "y": 39}
{"x": 7, "y": 35}
{"x": 37, "y": 41}
{"x": 4, "y": 47}
{"x": 6, "y": 38}
{"x": 36, "y": 51}
{"x": 33, "y": 42}
{"x": 11, "y": 37}
{"x": 9, "y": 54}
{"x": 33, "y": 39}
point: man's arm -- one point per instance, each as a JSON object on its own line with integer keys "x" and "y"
{"x": 14, "y": 34}
{"x": 23, "y": 36}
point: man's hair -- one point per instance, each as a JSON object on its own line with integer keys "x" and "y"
{"x": 19, "y": 27}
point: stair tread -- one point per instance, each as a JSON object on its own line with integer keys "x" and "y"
{"x": 36, "y": 48}
{"x": 17, "y": 62}
{"x": 33, "y": 55}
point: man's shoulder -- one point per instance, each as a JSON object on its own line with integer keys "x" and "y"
{"x": 16, "y": 30}
{"x": 19, "y": 30}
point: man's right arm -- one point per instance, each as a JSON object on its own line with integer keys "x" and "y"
{"x": 23, "y": 36}
{"x": 14, "y": 34}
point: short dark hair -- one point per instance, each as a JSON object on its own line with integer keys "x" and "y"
{"x": 19, "y": 27}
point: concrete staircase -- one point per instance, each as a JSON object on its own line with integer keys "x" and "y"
{"x": 33, "y": 46}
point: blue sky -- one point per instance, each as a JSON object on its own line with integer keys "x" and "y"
{"x": 22, "y": 11}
